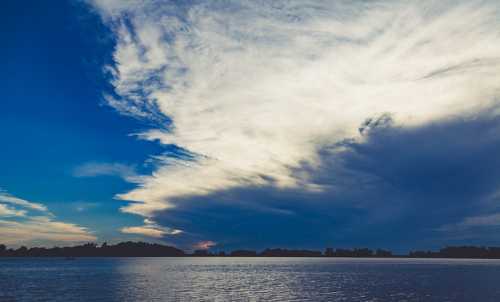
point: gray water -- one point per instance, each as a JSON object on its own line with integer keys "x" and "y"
{"x": 248, "y": 279}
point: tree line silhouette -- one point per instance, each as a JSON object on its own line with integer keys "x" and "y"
{"x": 123, "y": 249}
{"x": 143, "y": 249}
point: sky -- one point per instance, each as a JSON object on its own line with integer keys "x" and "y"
{"x": 251, "y": 124}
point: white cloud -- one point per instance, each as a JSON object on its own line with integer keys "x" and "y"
{"x": 18, "y": 225}
{"x": 42, "y": 229}
{"x": 7, "y": 198}
{"x": 93, "y": 169}
{"x": 150, "y": 229}
{"x": 6, "y": 211}
{"x": 255, "y": 88}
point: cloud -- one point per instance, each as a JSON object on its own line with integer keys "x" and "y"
{"x": 486, "y": 220}
{"x": 94, "y": 169}
{"x": 204, "y": 245}
{"x": 423, "y": 177}
{"x": 400, "y": 188}
{"x": 7, "y": 211}
{"x": 42, "y": 229}
{"x": 19, "y": 225}
{"x": 85, "y": 206}
{"x": 150, "y": 229}
{"x": 6, "y": 198}
{"x": 258, "y": 92}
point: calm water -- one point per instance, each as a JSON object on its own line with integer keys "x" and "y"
{"x": 248, "y": 279}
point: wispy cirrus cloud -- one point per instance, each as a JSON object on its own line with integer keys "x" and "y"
{"x": 256, "y": 90}
{"x": 485, "y": 220}
{"x": 43, "y": 230}
{"x": 26, "y": 222}
{"x": 6, "y": 211}
{"x": 94, "y": 169}
{"x": 85, "y": 206}
{"x": 150, "y": 229}
{"x": 479, "y": 221}
{"x": 9, "y": 199}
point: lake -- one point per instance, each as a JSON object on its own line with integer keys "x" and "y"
{"x": 248, "y": 279}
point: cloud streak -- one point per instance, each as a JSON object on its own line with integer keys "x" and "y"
{"x": 25, "y": 222}
{"x": 7, "y": 198}
{"x": 6, "y": 211}
{"x": 150, "y": 229}
{"x": 42, "y": 229}
{"x": 94, "y": 169}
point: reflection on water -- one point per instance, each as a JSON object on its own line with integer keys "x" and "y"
{"x": 248, "y": 279}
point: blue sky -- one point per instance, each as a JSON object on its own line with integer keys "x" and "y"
{"x": 250, "y": 124}
{"x": 53, "y": 119}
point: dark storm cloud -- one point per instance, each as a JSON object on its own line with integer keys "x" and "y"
{"x": 397, "y": 185}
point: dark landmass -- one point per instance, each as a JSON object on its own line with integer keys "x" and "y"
{"x": 460, "y": 252}
{"x": 142, "y": 249}
{"x": 123, "y": 249}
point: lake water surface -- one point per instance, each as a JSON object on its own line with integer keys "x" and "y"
{"x": 248, "y": 279}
